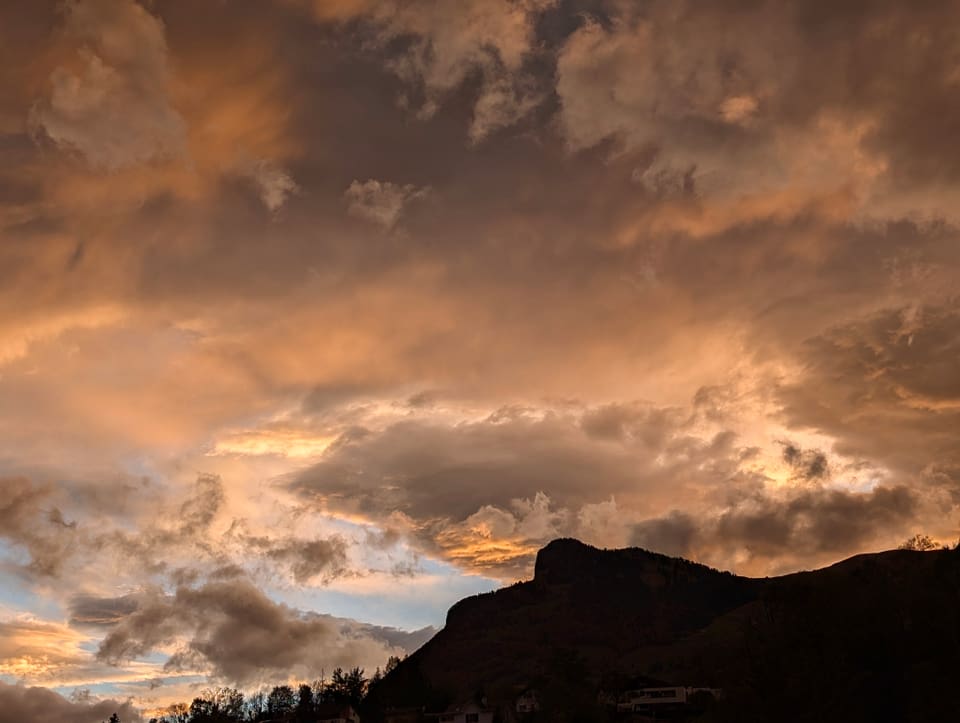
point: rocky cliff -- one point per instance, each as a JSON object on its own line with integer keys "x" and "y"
{"x": 868, "y": 638}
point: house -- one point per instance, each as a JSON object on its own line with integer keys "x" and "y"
{"x": 466, "y": 713}
{"x": 336, "y": 713}
{"x": 527, "y": 702}
{"x": 663, "y": 698}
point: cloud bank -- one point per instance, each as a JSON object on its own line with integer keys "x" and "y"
{"x": 344, "y": 308}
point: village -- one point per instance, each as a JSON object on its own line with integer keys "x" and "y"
{"x": 635, "y": 704}
{"x": 629, "y": 706}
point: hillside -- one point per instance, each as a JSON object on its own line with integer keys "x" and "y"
{"x": 872, "y": 638}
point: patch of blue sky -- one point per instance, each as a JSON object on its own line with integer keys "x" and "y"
{"x": 90, "y": 646}
{"x": 13, "y": 554}
{"x": 122, "y": 686}
{"x": 104, "y": 689}
{"x": 406, "y": 602}
{"x": 16, "y": 594}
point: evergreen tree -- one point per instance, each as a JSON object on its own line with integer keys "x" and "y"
{"x": 281, "y": 701}
{"x": 305, "y": 703}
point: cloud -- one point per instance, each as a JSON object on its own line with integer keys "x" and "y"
{"x": 199, "y": 510}
{"x": 381, "y": 202}
{"x": 809, "y": 464}
{"x": 29, "y": 519}
{"x": 705, "y": 283}
{"x": 115, "y": 111}
{"x": 642, "y": 423}
{"x": 39, "y": 650}
{"x": 39, "y": 705}
{"x": 670, "y": 535}
{"x": 428, "y": 469}
{"x": 745, "y": 110}
{"x": 443, "y": 46}
{"x": 275, "y": 184}
{"x": 90, "y": 610}
{"x": 241, "y": 636}
{"x": 658, "y": 79}
{"x": 823, "y": 521}
{"x": 406, "y": 640}
{"x": 308, "y": 560}
{"x": 884, "y": 386}
{"x": 487, "y": 493}
{"x": 206, "y": 547}
{"x": 35, "y": 651}
{"x": 818, "y": 524}
{"x": 188, "y": 537}
{"x": 503, "y": 102}
{"x": 497, "y": 541}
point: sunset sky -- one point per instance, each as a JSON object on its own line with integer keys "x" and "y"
{"x": 317, "y": 316}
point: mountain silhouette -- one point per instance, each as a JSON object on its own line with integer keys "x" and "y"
{"x": 873, "y": 638}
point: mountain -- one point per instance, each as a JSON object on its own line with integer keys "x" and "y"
{"x": 873, "y": 638}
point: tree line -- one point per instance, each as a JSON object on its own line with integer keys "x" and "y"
{"x": 299, "y": 703}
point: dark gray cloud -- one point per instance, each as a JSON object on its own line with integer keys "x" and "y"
{"x": 670, "y": 535}
{"x": 407, "y": 640}
{"x": 188, "y": 537}
{"x": 25, "y": 704}
{"x": 488, "y": 493}
{"x": 174, "y": 541}
{"x": 810, "y": 522}
{"x": 30, "y": 521}
{"x": 831, "y": 521}
{"x": 308, "y": 560}
{"x": 168, "y": 533}
{"x": 236, "y": 632}
{"x": 885, "y": 387}
{"x": 807, "y": 464}
{"x": 197, "y": 512}
{"x": 639, "y": 422}
{"x": 429, "y": 469}
{"x": 101, "y": 611}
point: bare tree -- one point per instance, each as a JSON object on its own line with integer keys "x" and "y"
{"x": 921, "y": 543}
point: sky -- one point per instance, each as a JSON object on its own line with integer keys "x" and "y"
{"x": 317, "y": 316}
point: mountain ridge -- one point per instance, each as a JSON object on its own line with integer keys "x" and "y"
{"x": 866, "y": 628}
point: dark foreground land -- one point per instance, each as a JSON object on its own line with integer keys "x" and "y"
{"x": 873, "y": 638}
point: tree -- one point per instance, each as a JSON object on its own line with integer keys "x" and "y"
{"x": 920, "y": 543}
{"x": 392, "y": 662}
{"x": 348, "y": 687}
{"x": 305, "y": 703}
{"x": 202, "y": 711}
{"x": 176, "y": 713}
{"x": 319, "y": 687}
{"x": 225, "y": 703}
{"x": 281, "y": 701}
{"x": 256, "y": 705}
{"x": 114, "y": 718}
